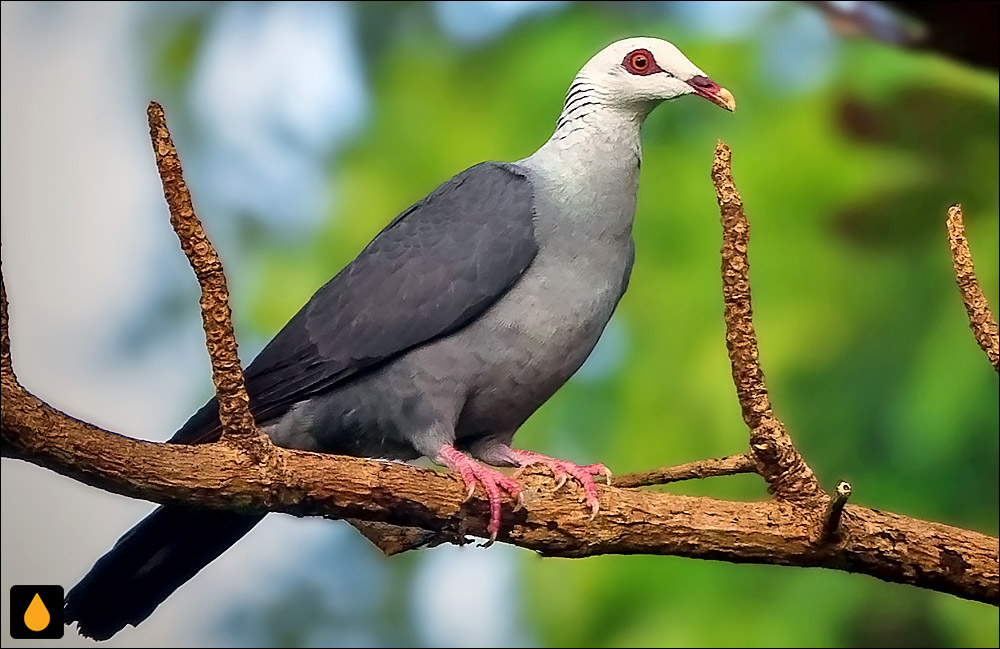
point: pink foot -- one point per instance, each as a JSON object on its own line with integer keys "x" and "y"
{"x": 492, "y": 481}
{"x": 564, "y": 469}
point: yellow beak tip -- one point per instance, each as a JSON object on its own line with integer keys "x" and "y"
{"x": 725, "y": 99}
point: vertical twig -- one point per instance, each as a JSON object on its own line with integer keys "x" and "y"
{"x": 981, "y": 320}
{"x": 774, "y": 454}
{"x": 234, "y": 410}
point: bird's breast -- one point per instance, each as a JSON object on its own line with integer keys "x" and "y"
{"x": 533, "y": 339}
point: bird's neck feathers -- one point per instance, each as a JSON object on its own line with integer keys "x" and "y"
{"x": 588, "y": 171}
{"x": 594, "y": 133}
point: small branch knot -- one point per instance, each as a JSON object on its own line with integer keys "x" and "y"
{"x": 835, "y": 510}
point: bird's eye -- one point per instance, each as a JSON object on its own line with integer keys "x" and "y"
{"x": 640, "y": 62}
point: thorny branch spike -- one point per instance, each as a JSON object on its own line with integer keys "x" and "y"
{"x": 981, "y": 320}
{"x": 234, "y": 405}
{"x": 772, "y": 450}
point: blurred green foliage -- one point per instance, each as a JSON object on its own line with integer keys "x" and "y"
{"x": 862, "y": 333}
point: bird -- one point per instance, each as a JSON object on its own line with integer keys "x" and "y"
{"x": 462, "y": 316}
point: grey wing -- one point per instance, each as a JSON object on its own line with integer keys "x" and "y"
{"x": 431, "y": 271}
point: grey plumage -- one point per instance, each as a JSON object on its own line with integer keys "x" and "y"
{"x": 462, "y": 316}
{"x": 434, "y": 268}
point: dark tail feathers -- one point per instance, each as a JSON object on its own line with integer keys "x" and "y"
{"x": 148, "y": 563}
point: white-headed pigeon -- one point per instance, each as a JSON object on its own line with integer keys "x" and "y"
{"x": 459, "y": 319}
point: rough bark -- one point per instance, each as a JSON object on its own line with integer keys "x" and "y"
{"x": 731, "y": 465}
{"x": 888, "y": 546}
{"x": 981, "y": 320}
{"x": 217, "y": 318}
{"x": 787, "y": 474}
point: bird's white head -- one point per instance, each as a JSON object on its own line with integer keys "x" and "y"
{"x": 641, "y": 72}
{"x": 611, "y": 96}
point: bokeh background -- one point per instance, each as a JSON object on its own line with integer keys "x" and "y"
{"x": 305, "y": 127}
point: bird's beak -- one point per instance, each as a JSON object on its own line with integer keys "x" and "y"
{"x": 705, "y": 87}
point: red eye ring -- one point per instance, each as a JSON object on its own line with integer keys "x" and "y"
{"x": 640, "y": 62}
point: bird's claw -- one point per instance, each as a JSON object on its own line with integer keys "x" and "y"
{"x": 494, "y": 483}
{"x": 563, "y": 470}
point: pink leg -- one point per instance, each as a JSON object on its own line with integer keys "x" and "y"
{"x": 492, "y": 481}
{"x": 564, "y": 469}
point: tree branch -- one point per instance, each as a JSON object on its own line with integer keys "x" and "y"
{"x": 962, "y": 29}
{"x": 772, "y": 450}
{"x": 397, "y": 499}
{"x": 394, "y": 539}
{"x": 6, "y": 366}
{"x": 887, "y": 546}
{"x": 697, "y": 470}
{"x": 234, "y": 405}
{"x": 981, "y": 320}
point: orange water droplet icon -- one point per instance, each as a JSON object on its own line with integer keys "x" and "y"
{"x": 37, "y": 616}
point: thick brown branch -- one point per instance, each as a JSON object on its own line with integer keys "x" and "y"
{"x": 890, "y": 547}
{"x": 393, "y": 539}
{"x": 981, "y": 320}
{"x": 787, "y": 474}
{"x": 234, "y": 410}
{"x": 690, "y": 471}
